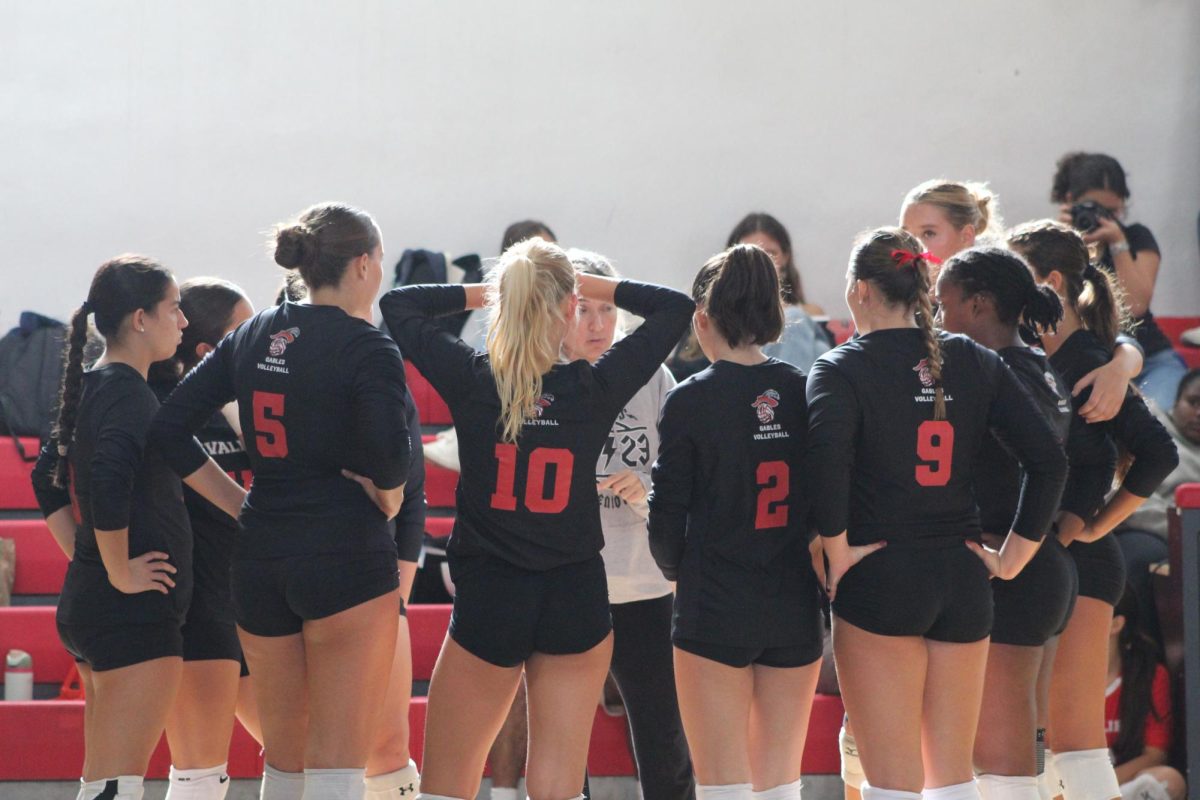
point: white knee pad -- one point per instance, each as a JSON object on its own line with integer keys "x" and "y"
{"x": 403, "y": 784}
{"x": 955, "y": 791}
{"x": 784, "y": 791}
{"x": 1008, "y": 787}
{"x": 852, "y": 772}
{"x": 125, "y": 787}
{"x": 728, "y": 791}
{"x": 870, "y": 792}
{"x": 1145, "y": 787}
{"x": 208, "y": 783}
{"x": 1087, "y": 775}
{"x": 280, "y": 785}
{"x": 334, "y": 784}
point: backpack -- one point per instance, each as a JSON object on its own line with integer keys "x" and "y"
{"x": 31, "y": 363}
{"x": 430, "y": 266}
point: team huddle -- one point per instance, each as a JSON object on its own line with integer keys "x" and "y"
{"x": 241, "y": 496}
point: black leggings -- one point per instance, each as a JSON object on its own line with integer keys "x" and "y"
{"x": 644, "y": 669}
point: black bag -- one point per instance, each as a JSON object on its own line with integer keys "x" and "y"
{"x": 31, "y": 363}
{"x": 430, "y": 266}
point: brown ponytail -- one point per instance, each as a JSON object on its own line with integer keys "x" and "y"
{"x": 739, "y": 290}
{"x": 1093, "y": 293}
{"x": 890, "y": 258}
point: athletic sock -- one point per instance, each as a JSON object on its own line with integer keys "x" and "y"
{"x": 125, "y": 787}
{"x": 1008, "y": 787}
{"x": 403, "y": 784}
{"x": 784, "y": 791}
{"x": 955, "y": 791}
{"x": 870, "y": 792}
{"x": 209, "y": 783}
{"x": 280, "y": 785}
{"x": 1144, "y": 787}
{"x": 728, "y": 791}
{"x": 334, "y": 784}
{"x": 1087, "y": 775}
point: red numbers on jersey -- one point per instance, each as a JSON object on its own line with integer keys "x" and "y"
{"x": 773, "y": 479}
{"x": 269, "y": 434}
{"x": 935, "y": 442}
{"x": 540, "y": 460}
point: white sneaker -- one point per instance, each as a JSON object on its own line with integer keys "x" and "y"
{"x": 1191, "y": 337}
{"x": 443, "y": 450}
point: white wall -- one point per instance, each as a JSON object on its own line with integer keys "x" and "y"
{"x": 643, "y": 130}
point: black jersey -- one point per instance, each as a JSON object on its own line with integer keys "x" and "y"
{"x": 409, "y": 524}
{"x": 214, "y": 532}
{"x": 729, "y": 508}
{"x": 884, "y": 469}
{"x": 998, "y": 475}
{"x": 318, "y": 391}
{"x": 1134, "y": 428}
{"x": 533, "y": 503}
{"x": 119, "y": 482}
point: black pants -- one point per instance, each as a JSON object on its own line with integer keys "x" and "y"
{"x": 1142, "y": 550}
{"x": 644, "y": 669}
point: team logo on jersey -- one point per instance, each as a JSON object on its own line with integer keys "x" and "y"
{"x": 280, "y": 341}
{"x": 542, "y": 403}
{"x": 922, "y": 370}
{"x": 765, "y": 405}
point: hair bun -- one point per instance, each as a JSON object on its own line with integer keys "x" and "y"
{"x": 295, "y": 246}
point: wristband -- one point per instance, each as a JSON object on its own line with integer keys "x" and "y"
{"x": 1116, "y": 248}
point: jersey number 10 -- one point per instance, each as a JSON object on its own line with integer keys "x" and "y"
{"x": 935, "y": 442}
{"x": 540, "y": 460}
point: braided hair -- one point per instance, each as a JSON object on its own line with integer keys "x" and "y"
{"x": 893, "y": 261}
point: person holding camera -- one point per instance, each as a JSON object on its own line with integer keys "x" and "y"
{"x": 1092, "y": 193}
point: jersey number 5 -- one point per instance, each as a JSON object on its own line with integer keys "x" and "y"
{"x": 269, "y": 434}
{"x": 540, "y": 459}
{"x": 935, "y": 442}
{"x": 772, "y": 478}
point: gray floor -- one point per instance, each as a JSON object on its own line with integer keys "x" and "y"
{"x": 816, "y": 787}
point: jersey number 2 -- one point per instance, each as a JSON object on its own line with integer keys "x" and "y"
{"x": 540, "y": 459}
{"x": 935, "y": 443}
{"x": 772, "y": 478}
{"x": 269, "y": 434}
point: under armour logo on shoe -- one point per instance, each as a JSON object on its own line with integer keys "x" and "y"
{"x": 406, "y": 789}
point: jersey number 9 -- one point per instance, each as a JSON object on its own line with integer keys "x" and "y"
{"x": 269, "y": 435}
{"x": 540, "y": 460}
{"x": 935, "y": 442}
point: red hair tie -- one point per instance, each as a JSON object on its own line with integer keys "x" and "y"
{"x": 903, "y": 257}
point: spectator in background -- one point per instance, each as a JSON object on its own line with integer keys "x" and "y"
{"x": 1129, "y": 252}
{"x": 1137, "y": 710}
{"x": 1143, "y": 537}
{"x": 803, "y": 340}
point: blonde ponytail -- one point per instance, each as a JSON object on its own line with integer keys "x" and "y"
{"x": 526, "y": 326}
{"x": 963, "y": 203}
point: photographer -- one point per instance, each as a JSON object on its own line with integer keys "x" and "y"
{"x": 1092, "y": 193}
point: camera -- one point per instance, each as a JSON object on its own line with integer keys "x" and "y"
{"x": 1086, "y": 215}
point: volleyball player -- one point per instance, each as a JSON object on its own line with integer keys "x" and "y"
{"x": 320, "y": 394}
{"x": 989, "y": 294}
{"x": 896, "y": 417}
{"x": 129, "y": 581}
{"x": 524, "y": 556}
{"x": 1093, "y": 315}
{"x": 728, "y": 521}
{"x": 201, "y": 721}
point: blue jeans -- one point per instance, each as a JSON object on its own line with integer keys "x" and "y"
{"x": 1160, "y": 378}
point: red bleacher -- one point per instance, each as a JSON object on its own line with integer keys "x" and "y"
{"x": 41, "y": 565}
{"x": 430, "y": 405}
{"x": 16, "y": 493}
